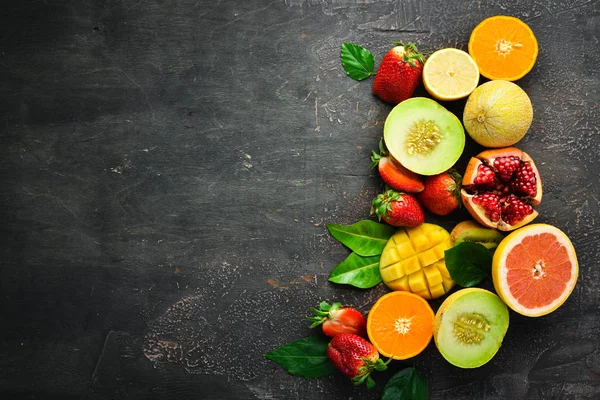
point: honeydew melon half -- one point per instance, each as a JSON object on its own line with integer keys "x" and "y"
{"x": 424, "y": 136}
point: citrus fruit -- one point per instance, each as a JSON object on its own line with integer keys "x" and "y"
{"x": 450, "y": 74}
{"x": 423, "y": 136}
{"x": 535, "y": 269}
{"x": 413, "y": 261}
{"x": 400, "y": 325}
{"x": 503, "y": 47}
{"x": 498, "y": 114}
{"x": 469, "y": 327}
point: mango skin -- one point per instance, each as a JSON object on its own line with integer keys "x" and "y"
{"x": 413, "y": 261}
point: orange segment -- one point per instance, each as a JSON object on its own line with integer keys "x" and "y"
{"x": 400, "y": 325}
{"x": 535, "y": 269}
{"x": 503, "y": 47}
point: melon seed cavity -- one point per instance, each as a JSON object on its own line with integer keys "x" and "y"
{"x": 423, "y": 137}
{"x": 471, "y": 327}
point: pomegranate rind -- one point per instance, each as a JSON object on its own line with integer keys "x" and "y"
{"x": 487, "y": 157}
{"x": 500, "y": 269}
{"x": 478, "y": 213}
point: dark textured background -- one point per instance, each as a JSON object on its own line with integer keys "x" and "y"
{"x": 168, "y": 168}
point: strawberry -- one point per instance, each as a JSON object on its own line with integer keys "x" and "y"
{"x": 336, "y": 319}
{"x": 393, "y": 173}
{"x": 355, "y": 357}
{"x": 399, "y": 73}
{"x": 442, "y": 193}
{"x": 398, "y": 209}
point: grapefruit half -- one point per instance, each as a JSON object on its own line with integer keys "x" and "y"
{"x": 535, "y": 269}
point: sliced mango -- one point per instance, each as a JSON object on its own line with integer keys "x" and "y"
{"x": 413, "y": 261}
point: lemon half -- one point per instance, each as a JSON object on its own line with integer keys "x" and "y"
{"x": 450, "y": 74}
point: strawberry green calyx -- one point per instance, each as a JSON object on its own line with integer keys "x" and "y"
{"x": 365, "y": 371}
{"x": 322, "y": 313}
{"x": 376, "y": 157}
{"x": 382, "y": 204}
{"x": 411, "y": 53}
{"x": 456, "y": 186}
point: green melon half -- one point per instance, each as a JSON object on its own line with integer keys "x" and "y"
{"x": 423, "y": 136}
{"x": 469, "y": 327}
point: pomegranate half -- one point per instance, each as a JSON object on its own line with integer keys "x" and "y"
{"x": 500, "y": 188}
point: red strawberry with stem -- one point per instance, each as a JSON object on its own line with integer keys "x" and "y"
{"x": 398, "y": 209}
{"x": 336, "y": 319}
{"x": 355, "y": 357}
{"x": 399, "y": 73}
{"x": 393, "y": 173}
{"x": 442, "y": 193}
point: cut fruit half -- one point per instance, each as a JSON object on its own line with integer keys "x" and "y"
{"x": 450, "y": 74}
{"x": 535, "y": 269}
{"x": 470, "y": 326}
{"x": 503, "y": 47}
{"x": 423, "y": 136}
{"x": 400, "y": 325}
{"x": 413, "y": 261}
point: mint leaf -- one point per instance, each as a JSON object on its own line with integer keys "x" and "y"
{"x": 468, "y": 263}
{"x": 366, "y": 238}
{"x": 361, "y": 272}
{"x": 357, "y": 61}
{"x": 304, "y": 357}
{"x": 407, "y": 384}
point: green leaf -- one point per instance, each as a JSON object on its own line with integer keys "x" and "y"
{"x": 468, "y": 263}
{"x": 304, "y": 357}
{"x": 366, "y": 238}
{"x": 357, "y": 61}
{"x": 361, "y": 272}
{"x": 407, "y": 384}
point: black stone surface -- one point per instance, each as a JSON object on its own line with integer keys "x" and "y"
{"x": 168, "y": 168}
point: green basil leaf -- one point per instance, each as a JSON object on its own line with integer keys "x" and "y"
{"x": 304, "y": 357}
{"x": 407, "y": 384}
{"x": 468, "y": 263}
{"x": 366, "y": 238}
{"x": 357, "y": 61}
{"x": 361, "y": 272}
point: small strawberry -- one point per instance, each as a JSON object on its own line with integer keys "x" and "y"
{"x": 355, "y": 357}
{"x": 336, "y": 319}
{"x": 442, "y": 193}
{"x": 398, "y": 209}
{"x": 399, "y": 73}
{"x": 393, "y": 173}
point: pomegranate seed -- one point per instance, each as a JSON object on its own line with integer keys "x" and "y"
{"x": 485, "y": 176}
{"x": 524, "y": 181}
{"x": 506, "y": 166}
{"x": 491, "y": 204}
{"x": 514, "y": 210}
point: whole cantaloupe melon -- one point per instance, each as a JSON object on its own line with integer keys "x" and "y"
{"x": 498, "y": 114}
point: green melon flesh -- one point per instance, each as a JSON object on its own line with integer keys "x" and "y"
{"x": 410, "y": 139}
{"x": 470, "y": 326}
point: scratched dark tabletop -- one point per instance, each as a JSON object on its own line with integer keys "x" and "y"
{"x": 168, "y": 169}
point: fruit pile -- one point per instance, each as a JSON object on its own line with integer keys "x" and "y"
{"x": 533, "y": 268}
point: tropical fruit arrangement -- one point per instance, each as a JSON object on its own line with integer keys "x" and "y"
{"x": 533, "y": 267}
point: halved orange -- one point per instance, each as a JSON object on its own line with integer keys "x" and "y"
{"x": 400, "y": 325}
{"x": 503, "y": 47}
{"x": 535, "y": 269}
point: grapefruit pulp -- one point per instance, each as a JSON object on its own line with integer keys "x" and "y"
{"x": 535, "y": 269}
